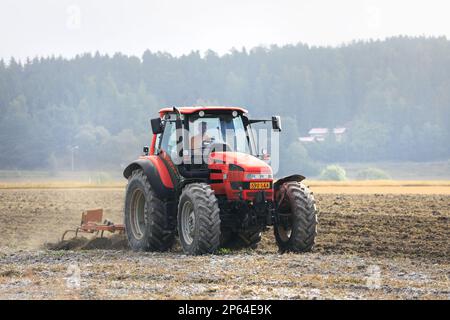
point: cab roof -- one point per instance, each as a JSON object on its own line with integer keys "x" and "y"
{"x": 190, "y": 110}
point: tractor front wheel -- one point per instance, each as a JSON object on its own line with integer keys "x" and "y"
{"x": 296, "y": 228}
{"x": 198, "y": 219}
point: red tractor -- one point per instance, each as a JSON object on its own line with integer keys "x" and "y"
{"x": 203, "y": 179}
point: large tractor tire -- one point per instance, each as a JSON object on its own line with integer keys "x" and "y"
{"x": 145, "y": 216}
{"x": 297, "y": 218}
{"x": 198, "y": 219}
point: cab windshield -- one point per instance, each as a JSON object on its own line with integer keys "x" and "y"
{"x": 224, "y": 129}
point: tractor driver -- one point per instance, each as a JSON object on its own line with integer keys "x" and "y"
{"x": 201, "y": 137}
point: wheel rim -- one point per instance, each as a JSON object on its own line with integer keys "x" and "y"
{"x": 137, "y": 214}
{"x": 188, "y": 222}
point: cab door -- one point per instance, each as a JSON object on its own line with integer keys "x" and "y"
{"x": 167, "y": 149}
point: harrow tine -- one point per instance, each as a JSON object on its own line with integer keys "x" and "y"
{"x": 67, "y": 231}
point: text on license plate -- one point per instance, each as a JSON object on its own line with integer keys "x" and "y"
{"x": 259, "y": 185}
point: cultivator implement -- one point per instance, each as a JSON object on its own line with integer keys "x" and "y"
{"x": 92, "y": 222}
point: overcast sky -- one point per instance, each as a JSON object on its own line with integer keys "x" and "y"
{"x": 67, "y": 27}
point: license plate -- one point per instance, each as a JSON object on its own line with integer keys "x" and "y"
{"x": 259, "y": 185}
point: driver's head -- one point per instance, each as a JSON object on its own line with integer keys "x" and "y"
{"x": 202, "y": 127}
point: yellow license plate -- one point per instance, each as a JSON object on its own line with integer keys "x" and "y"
{"x": 259, "y": 185}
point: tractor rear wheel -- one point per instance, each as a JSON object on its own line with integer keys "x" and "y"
{"x": 198, "y": 219}
{"x": 145, "y": 216}
{"x": 297, "y": 218}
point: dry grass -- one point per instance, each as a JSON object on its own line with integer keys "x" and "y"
{"x": 60, "y": 185}
{"x": 381, "y": 187}
{"x": 319, "y": 187}
{"x": 381, "y": 183}
{"x": 429, "y": 190}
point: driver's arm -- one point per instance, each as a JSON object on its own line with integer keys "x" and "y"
{"x": 198, "y": 140}
{"x": 206, "y": 138}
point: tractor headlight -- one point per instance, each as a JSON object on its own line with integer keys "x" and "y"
{"x": 256, "y": 176}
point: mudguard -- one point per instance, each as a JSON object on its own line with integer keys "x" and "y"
{"x": 162, "y": 186}
{"x": 294, "y": 177}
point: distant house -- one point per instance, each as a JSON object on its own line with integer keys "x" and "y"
{"x": 306, "y": 139}
{"x": 339, "y": 133}
{"x": 320, "y": 134}
{"x": 339, "y": 130}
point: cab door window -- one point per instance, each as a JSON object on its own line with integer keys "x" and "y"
{"x": 169, "y": 140}
{"x": 157, "y": 144}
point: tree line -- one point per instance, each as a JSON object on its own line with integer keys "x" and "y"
{"x": 393, "y": 96}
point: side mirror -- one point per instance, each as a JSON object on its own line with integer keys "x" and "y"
{"x": 276, "y": 123}
{"x": 156, "y": 125}
{"x": 146, "y": 150}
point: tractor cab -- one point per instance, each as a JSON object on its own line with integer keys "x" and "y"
{"x": 190, "y": 137}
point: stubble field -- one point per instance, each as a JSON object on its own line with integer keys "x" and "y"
{"x": 373, "y": 242}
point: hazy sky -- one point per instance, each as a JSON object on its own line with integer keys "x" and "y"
{"x": 67, "y": 27}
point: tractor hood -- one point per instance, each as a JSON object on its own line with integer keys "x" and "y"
{"x": 247, "y": 162}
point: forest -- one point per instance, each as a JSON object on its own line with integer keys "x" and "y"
{"x": 392, "y": 96}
